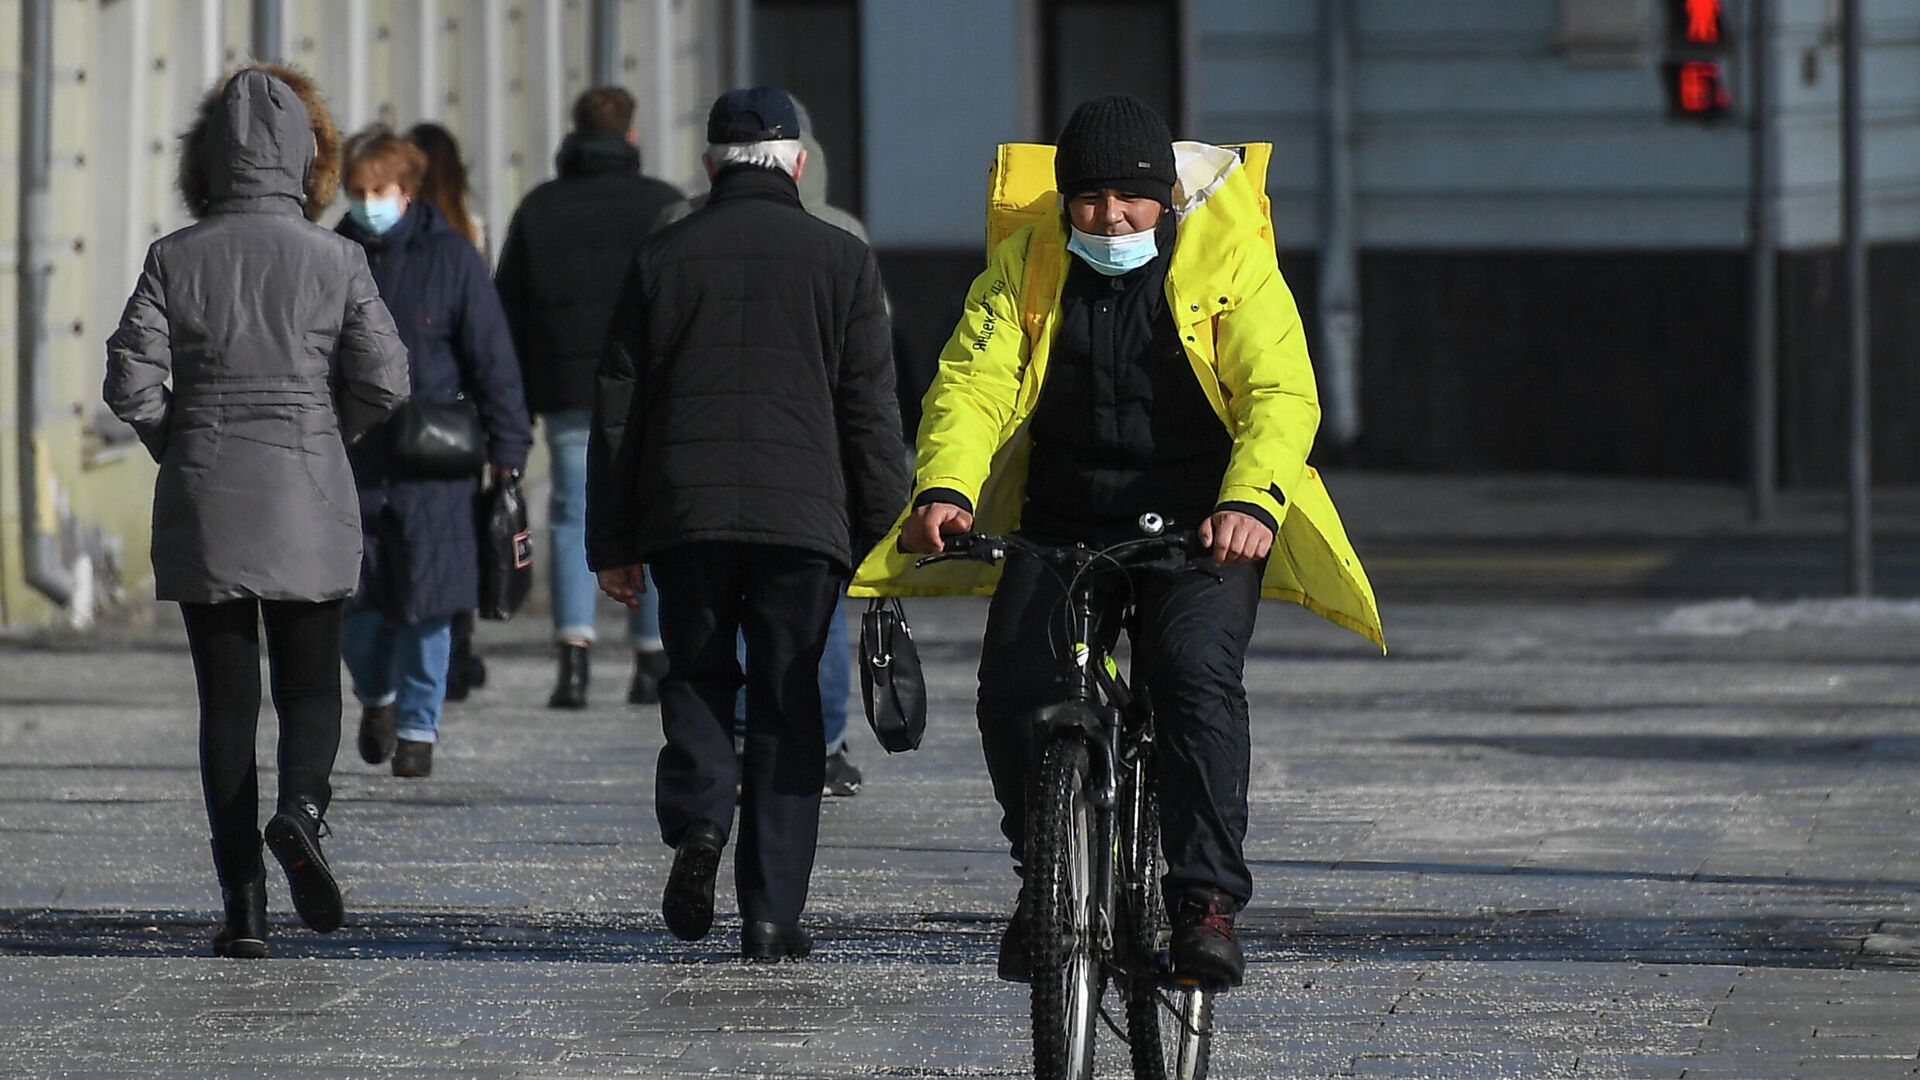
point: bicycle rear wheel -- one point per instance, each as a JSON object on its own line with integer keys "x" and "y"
{"x": 1171, "y": 1029}
{"x": 1060, "y": 882}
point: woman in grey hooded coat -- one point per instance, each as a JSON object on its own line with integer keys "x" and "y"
{"x": 279, "y": 352}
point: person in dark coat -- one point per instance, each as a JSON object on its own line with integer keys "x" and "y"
{"x": 836, "y": 663}
{"x": 560, "y": 268}
{"x": 445, "y": 186}
{"x": 423, "y": 559}
{"x": 746, "y": 443}
{"x": 279, "y": 352}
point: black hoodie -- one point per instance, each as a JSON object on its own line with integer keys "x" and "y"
{"x": 565, "y": 252}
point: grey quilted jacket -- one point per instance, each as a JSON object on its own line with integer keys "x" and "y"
{"x": 278, "y": 351}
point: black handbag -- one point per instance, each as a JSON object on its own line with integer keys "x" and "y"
{"x": 439, "y": 439}
{"x": 891, "y": 683}
{"x": 506, "y": 551}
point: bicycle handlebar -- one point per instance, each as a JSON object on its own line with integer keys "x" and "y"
{"x": 1179, "y": 549}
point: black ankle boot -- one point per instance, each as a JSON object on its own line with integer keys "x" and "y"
{"x": 570, "y": 692}
{"x": 774, "y": 941}
{"x": 243, "y": 893}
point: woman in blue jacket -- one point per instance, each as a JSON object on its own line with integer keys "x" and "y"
{"x": 422, "y": 564}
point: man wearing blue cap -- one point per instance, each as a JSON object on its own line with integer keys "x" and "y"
{"x": 745, "y": 445}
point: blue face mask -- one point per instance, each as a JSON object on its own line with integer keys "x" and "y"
{"x": 376, "y": 215}
{"x": 1115, "y": 255}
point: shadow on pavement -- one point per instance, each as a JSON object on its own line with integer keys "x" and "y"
{"x": 1742, "y": 749}
{"x": 949, "y": 938}
{"x": 1555, "y": 936}
{"x": 1589, "y": 873}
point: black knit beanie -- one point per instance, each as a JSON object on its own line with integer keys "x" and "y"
{"x": 1115, "y": 141}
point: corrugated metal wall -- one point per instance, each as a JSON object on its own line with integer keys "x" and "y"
{"x": 500, "y": 74}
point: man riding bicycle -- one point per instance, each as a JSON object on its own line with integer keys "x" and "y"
{"x": 1168, "y": 374}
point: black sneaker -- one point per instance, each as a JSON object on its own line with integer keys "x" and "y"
{"x": 294, "y": 838}
{"x": 649, "y": 667}
{"x": 376, "y": 733}
{"x": 687, "y": 904}
{"x": 843, "y": 779}
{"x": 774, "y": 941}
{"x": 413, "y": 759}
{"x": 1016, "y": 963}
{"x": 1203, "y": 944}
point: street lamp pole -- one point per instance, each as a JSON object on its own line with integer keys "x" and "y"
{"x": 1763, "y": 266}
{"x": 1853, "y": 244}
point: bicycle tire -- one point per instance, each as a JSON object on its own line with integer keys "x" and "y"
{"x": 1066, "y": 973}
{"x": 1142, "y": 907}
{"x": 1171, "y": 1029}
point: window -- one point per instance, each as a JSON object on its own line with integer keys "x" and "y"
{"x": 1094, "y": 47}
{"x": 812, "y": 48}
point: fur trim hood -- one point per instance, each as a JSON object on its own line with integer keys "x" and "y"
{"x": 263, "y": 131}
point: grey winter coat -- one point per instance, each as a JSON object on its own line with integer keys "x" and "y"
{"x": 279, "y": 352}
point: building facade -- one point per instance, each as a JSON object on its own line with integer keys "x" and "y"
{"x": 1550, "y": 269}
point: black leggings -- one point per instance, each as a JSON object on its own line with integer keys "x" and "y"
{"x": 303, "y": 653}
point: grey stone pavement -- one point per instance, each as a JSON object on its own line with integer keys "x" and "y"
{"x": 1613, "y": 807}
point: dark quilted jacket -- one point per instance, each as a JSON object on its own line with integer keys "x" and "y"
{"x": 747, "y": 389}
{"x": 560, "y": 267}
{"x": 421, "y": 539}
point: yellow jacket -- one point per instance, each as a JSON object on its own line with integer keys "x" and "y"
{"x": 1242, "y": 336}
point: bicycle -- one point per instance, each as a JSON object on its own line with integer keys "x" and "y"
{"x": 1093, "y": 837}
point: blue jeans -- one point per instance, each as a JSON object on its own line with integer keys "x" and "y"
{"x": 836, "y": 682}
{"x": 402, "y": 666}
{"x": 574, "y": 589}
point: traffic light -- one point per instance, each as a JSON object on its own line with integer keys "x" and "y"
{"x": 1695, "y": 73}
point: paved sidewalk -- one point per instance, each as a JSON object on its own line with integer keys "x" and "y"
{"x": 1551, "y": 838}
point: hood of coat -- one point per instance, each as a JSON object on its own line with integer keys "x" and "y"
{"x": 264, "y": 133}
{"x": 593, "y": 153}
{"x": 1202, "y": 169}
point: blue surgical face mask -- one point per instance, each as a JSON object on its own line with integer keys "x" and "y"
{"x": 1115, "y": 255}
{"x": 376, "y": 215}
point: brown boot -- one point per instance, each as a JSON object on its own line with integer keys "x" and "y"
{"x": 413, "y": 759}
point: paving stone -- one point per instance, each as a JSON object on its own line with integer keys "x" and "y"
{"x": 1543, "y": 839}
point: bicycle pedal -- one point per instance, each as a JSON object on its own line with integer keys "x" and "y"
{"x": 1188, "y": 982}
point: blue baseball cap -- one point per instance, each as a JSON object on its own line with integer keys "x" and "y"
{"x": 762, "y": 114}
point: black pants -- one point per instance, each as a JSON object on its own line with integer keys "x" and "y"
{"x": 303, "y": 653}
{"x": 1191, "y": 653}
{"x": 781, "y": 599}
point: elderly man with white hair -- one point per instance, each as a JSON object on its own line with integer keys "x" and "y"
{"x": 746, "y": 445}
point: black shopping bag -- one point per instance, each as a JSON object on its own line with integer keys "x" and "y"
{"x": 506, "y": 551}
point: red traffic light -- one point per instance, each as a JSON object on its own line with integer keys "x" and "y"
{"x": 1701, "y": 22}
{"x": 1698, "y": 89}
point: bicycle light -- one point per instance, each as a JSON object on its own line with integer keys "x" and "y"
{"x": 1152, "y": 524}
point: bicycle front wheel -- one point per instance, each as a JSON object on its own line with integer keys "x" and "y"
{"x": 1060, "y": 885}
